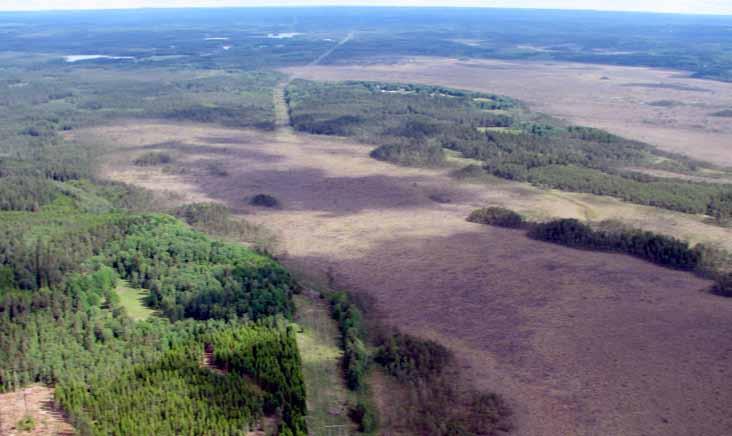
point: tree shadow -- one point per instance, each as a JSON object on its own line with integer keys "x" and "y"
{"x": 312, "y": 189}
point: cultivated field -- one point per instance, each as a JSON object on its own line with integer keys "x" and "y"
{"x": 661, "y": 107}
{"x": 582, "y": 343}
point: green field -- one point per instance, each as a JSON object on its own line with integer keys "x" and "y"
{"x": 318, "y": 343}
{"x": 133, "y": 300}
{"x": 499, "y": 129}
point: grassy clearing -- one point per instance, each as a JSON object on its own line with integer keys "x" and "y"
{"x": 133, "y": 300}
{"x": 500, "y": 129}
{"x": 457, "y": 158}
{"x": 318, "y": 343}
{"x": 584, "y": 208}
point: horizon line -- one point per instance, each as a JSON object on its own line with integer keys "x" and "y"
{"x": 369, "y": 6}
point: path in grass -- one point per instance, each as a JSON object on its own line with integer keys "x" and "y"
{"x": 327, "y": 396}
{"x": 133, "y": 300}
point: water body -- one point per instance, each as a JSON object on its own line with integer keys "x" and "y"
{"x": 283, "y": 35}
{"x": 79, "y": 58}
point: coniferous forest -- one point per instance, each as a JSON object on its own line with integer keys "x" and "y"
{"x": 61, "y": 324}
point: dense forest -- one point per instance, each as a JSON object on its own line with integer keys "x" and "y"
{"x": 414, "y": 124}
{"x": 61, "y": 323}
{"x": 69, "y": 242}
{"x": 190, "y": 276}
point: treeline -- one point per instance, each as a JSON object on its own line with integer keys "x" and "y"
{"x": 678, "y": 195}
{"x": 413, "y": 124}
{"x": 26, "y": 193}
{"x": 497, "y": 216}
{"x": 660, "y": 249}
{"x": 38, "y": 113}
{"x": 612, "y": 236}
{"x": 434, "y": 403}
{"x": 437, "y": 404}
{"x": 152, "y": 159}
{"x": 410, "y": 154}
{"x": 216, "y": 219}
{"x": 234, "y": 116}
{"x": 356, "y": 358}
{"x": 40, "y": 250}
{"x": 409, "y": 359}
{"x": 723, "y": 285}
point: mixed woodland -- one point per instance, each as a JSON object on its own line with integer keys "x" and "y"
{"x": 414, "y": 125}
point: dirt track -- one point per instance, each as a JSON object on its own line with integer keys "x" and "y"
{"x": 582, "y": 343}
{"x": 660, "y": 107}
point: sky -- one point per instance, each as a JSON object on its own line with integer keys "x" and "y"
{"x": 673, "y": 6}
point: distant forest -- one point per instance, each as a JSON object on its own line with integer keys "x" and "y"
{"x": 259, "y": 38}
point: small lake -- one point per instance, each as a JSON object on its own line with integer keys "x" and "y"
{"x": 283, "y": 35}
{"x": 79, "y": 58}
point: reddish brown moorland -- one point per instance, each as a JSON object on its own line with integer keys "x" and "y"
{"x": 581, "y": 343}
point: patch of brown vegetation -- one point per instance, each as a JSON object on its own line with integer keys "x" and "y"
{"x": 626, "y": 104}
{"x": 35, "y": 401}
{"x": 389, "y": 397}
{"x": 208, "y": 361}
{"x": 266, "y": 426}
{"x": 581, "y": 343}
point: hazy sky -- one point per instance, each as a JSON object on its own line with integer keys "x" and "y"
{"x": 682, "y": 6}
